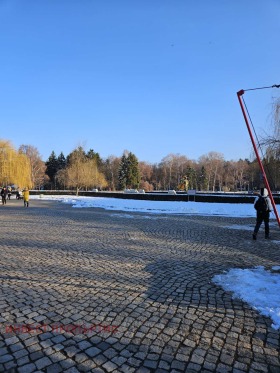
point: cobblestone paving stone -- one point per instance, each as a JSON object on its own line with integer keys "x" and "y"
{"x": 89, "y": 290}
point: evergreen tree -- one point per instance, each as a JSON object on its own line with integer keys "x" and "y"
{"x": 129, "y": 174}
{"x": 133, "y": 171}
{"x": 91, "y": 154}
{"x": 61, "y": 165}
{"x": 202, "y": 179}
{"x": 191, "y": 176}
{"x": 52, "y": 166}
{"x": 122, "y": 177}
{"x": 61, "y": 161}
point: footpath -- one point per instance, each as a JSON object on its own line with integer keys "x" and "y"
{"x": 89, "y": 290}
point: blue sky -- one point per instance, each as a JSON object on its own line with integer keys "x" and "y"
{"x": 151, "y": 76}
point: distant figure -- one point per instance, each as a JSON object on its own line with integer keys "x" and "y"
{"x": 263, "y": 207}
{"x": 25, "y": 197}
{"x": 4, "y": 195}
{"x": 9, "y": 192}
{"x": 19, "y": 194}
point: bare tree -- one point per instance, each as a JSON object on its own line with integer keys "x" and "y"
{"x": 276, "y": 118}
{"x": 240, "y": 171}
{"x": 272, "y": 141}
{"x": 213, "y": 163}
{"x": 174, "y": 167}
{"x": 38, "y": 167}
{"x": 146, "y": 172}
{"x": 167, "y": 167}
{"x": 270, "y": 145}
{"x": 111, "y": 168}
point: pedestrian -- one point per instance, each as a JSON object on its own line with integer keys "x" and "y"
{"x": 4, "y": 195}
{"x": 263, "y": 206}
{"x": 25, "y": 197}
{"x": 9, "y": 192}
{"x": 19, "y": 194}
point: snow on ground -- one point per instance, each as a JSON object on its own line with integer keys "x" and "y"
{"x": 160, "y": 207}
{"x": 258, "y": 287}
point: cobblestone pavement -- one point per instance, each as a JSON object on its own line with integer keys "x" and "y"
{"x": 89, "y": 290}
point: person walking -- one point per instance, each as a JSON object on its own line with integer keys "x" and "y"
{"x": 25, "y": 197}
{"x": 19, "y": 194}
{"x": 9, "y": 192}
{"x": 4, "y": 195}
{"x": 263, "y": 206}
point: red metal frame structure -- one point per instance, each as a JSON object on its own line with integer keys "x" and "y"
{"x": 239, "y": 94}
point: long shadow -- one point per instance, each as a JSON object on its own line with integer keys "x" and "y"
{"x": 166, "y": 303}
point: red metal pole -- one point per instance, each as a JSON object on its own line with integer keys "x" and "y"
{"x": 239, "y": 94}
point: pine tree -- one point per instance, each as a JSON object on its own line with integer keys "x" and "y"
{"x": 133, "y": 171}
{"x": 191, "y": 176}
{"x": 52, "y": 167}
{"x": 61, "y": 161}
{"x": 122, "y": 177}
{"x": 202, "y": 179}
{"x": 91, "y": 154}
{"x": 129, "y": 174}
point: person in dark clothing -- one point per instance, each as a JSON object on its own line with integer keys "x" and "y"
{"x": 4, "y": 195}
{"x": 19, "y": 194}
{"x": 262, "y": 212}
{"x": 9, "y": 192}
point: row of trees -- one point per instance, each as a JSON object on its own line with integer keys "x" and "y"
{"x": 86, "y": 170}
{"x": 211, "y": 172}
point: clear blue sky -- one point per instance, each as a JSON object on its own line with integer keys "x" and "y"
{"x": 151, "y": 76}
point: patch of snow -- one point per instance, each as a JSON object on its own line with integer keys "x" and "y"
{"x": 258, "y": 287}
